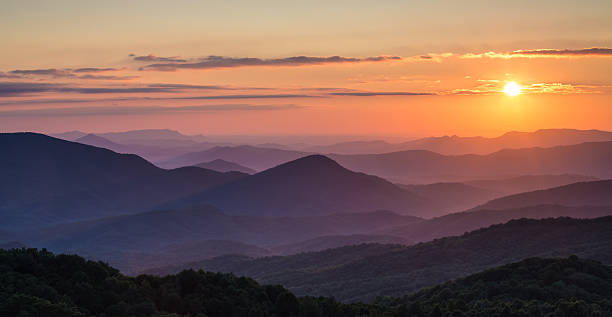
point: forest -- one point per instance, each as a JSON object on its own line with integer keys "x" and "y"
{"x": 39, "y": 283}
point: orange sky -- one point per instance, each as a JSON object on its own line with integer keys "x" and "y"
{"x": 409, "y": 69}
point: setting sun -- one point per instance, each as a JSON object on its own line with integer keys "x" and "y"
{"x": 512, "y": 89}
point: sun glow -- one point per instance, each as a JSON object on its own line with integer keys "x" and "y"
{"x": 512, "y": 89}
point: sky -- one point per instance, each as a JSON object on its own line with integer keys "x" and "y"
{"x": 378, "y": 68}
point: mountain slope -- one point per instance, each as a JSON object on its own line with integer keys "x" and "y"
{"x": 527, "y": 183}
{"x": 413, "y": 167}
{"x": 246, "y": 155}
{"x": 462, "y": 222}
{"x": 597, "y": 193}
{"x": 532, "y": 287}
{"x": 119, "y": 238}
{"x": 223, "y": 166}
{"x": 410, "y": 268}
{"x": 450, "y": 197}
{"x": 312, "y": 185}
{"x": 44, "y": 180}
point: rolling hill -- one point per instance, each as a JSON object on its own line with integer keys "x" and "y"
{"x": 462, "y": 222}
{"x": 451, "y": 197}
{"x": 596, "y": 193}
{"x": 532, "y": 287}
{"x": 366, "y": 271}
{"x": 528, "y": 183}
{"x": 44, "y": 180}
{"x": 119, "y": 239}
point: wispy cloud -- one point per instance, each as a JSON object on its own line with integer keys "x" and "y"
{"x": 108, "y": 77}
{"x": 212, "y": 62}
{"x": 544, "y": 53}
{"x": 96, "y": 70}
{"x": 490, "y": 87}
{"x": 153, "y": 58}
{"x": 262, "y": 96}
{"x": 43, "y": 72}
{"x": 139, "y": 110}
{"x": 69, "y": 73}
{"x": 381, "y": 93}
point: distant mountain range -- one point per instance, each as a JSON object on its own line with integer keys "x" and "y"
{"x": 45, "y": 180}
{"x": 418, "y": 166}
{"x": 223, "y": 166}
{"x": 455, "y": 145}
{"x": 365, "y": 271}
{"x": 250, "y": 156}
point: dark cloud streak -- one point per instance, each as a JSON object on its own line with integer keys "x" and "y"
{"x": 212, "y": 62}
{"x": 139, "y": 110}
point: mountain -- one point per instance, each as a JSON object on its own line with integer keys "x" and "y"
{"x": 69, "y": 135}
{"x": 363, "y": 272}
{"x": 597, "y": 193}
{"x": 462, "y": 222}
{"x": 98, "y": 141}
{"x": 336, "y": 241}
{"x": 44, "y": 180}
{"x": 40, "y": 283}
{"x": 414, "y": 167}
{"x": 220, "y": 165}
{"x": 137, "y": 136}
{"x": 120, "y": 240}
{"x": 246, "y": 155}
{"x": 528, "y": 183}
{"x": 312, "y": 185}
{"x": 532, "y": 287}
{"x": 456, "y": 145}
{"x": 452, "y": 197}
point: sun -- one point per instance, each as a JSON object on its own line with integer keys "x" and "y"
{"x": 512, "y": 89}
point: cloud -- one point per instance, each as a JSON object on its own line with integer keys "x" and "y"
{"x": 139, "y": 110}
{"x": 5, "y": 75}
{"x": 544, "y": 53}
{"x": 105, "y": 77}
{"x": 70, "y": 73}
{"x": 96, "y": 70}
{"x": 43, "y": 72}
{"x": 153, "y": 58}
{"x": 489, "y": 87}
{"x": 594, "y": 51}
{"x": 263, "y": 96}
{"x": 371, "y": 94}
{"x": 20, "y": 88}
{"x": 212, "y": 62}
{"x": 196, "y": 87}
{"x": 16, "y": 88}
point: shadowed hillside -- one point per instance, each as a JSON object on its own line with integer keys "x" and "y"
{"x": 44, "y": 180}
{"x": 312, "y": 185}
{"x": 406, "y": 269}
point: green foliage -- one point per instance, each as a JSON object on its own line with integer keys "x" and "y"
{"x": 39, "y": 283}
{"x": 533, "y": 287}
